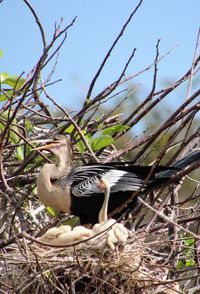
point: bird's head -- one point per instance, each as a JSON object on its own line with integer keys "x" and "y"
{"x": 59, "y": 145}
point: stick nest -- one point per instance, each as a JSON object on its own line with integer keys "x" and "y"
{"x": 30, "y": 268}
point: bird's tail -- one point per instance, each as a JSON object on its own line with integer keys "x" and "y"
{"x": 181, "y": 164}
{"x": 160, "y": 179}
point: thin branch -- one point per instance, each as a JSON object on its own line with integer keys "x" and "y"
{"x": 38, "y": 23}
{"x": 193, "y": 66}
{"x": 109, "y": 52}
{"x": 169, "y": 220}
{"x": 76, "y": 127}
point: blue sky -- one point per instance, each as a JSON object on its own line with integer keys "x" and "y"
{"x": 175, "y": 22}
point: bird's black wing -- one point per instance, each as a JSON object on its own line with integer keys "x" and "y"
{"x": 124, "y": 178}
{"x": 84, "y": 180}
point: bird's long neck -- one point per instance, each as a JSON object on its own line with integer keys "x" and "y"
{"x": 64, "y": 158}
{"x": 48, "y": 173}
{"x": 103, "y": 213}
{"x": 51, "y": 172}
{"x": 63, "y": 165}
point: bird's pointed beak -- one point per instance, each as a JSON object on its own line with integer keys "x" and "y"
{"x": 47, "y": 144}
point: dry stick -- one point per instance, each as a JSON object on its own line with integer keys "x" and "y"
{"x": 42, "y": 59}
{"x": 57, "y": 34}
{"x": 87, "y": 145}
{"x": 27, "y": 85}
{"x": 118, "y": 105}
{"x": 149, "y": 138}
{"x": 35, "y": 82}
{"x": 104, "y": 116}
{"x": 150, "y": 96}
{"x": 114, "y": 85}
{"x": 179, "y": 221}
{"x": 100, "y": 98}
{"x": 41, "y": 115}
{"x": 161, "y": 97}
{"x": 8, "y": 103}
{"x": 107, "y": 91}
{"x": 87, "y": 104}
{"x": 189, "y": 129}
{"x": 31, "y": 158}
{"x": 4, "y": 132}
{"x": 175, "y": 117}
{"x": 53, "y": 69}
{"x": 191, "y": 142}
{"x": 173, "y": 136}
{"x": 193, "y": 66}
{"x": 152, "y": 136}
{"x": 38, "y": 23}
{"x": 109, "y": 52}
{"x": 168, "y": 219}
{"x": 129, "y": 147}
{"x": 148, "y": 68}
{"x": 155, "y": 282}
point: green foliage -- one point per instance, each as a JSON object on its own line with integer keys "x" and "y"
{"x": 102, "y": 138}
{"x": 13, "y": 81}
{"x": 188, "y": 252}
{"x": 105, "y": 138}
{"x": 14, "y": 138}
{"x": 72, "y": 221}
{"x": 111, "y": 131}
{"x": 101, "y": 141}
{"x": 52, "y": 212}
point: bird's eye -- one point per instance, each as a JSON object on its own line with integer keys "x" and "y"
{"x": 56, "y": 138}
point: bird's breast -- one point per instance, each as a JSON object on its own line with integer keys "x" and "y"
{"x": 53, "y": 195}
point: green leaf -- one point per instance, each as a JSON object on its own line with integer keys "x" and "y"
{"x": 189, "y": 242}
{"x": 14, "y": 138}
{"x": 4, "y": 97}
{"x": 20, "y": 153}
{"x": 180, "y": 264}
{"x": 34, "y": 191}
{"x": 1, "y": 53}
{"x": 3, "y": 77}
{"x": 81, "y": 146}
{"x": 29, "y": 126}
{"x": 12, "y": 81}
{"x": 189, "y": 262}
{"x": 70, "y": 129}
{"x": 115, "y": 129}
{"x": 72, "y": 222}
{"x": 52, "y": 212}
{"x": 101, "y": 141}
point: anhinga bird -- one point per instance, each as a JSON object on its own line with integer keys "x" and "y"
{"x": 78, "y": 191}
{"x": 113, "y": 233}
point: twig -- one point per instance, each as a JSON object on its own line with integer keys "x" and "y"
{"x": 167, "y": 219}
{"x": 109, "y": 52}
{"x": 38, "y": 23}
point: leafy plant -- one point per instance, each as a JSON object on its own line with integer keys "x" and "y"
{"x": 187, "y": 255}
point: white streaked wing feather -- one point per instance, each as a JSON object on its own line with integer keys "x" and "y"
{"x": 118, "y": 180}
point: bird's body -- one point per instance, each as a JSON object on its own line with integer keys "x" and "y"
{"x": 78, "y": 191}
{"x": 52, "y": 194}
